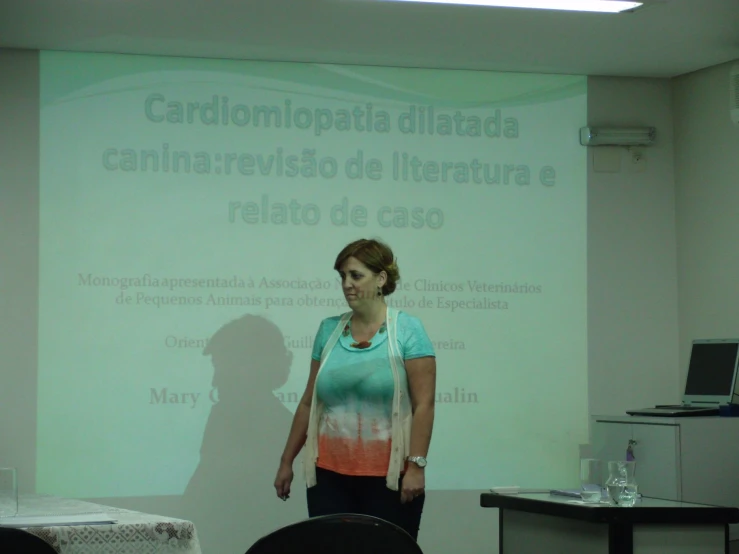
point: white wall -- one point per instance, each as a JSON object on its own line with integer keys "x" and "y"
{"x": 707, "y": 192}
{"x": 19, "y": 178}
{"x": 632, "y": 268}
{"x": 633, "y": 319}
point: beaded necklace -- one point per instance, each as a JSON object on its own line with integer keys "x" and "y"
{"x": 361, "y": 344}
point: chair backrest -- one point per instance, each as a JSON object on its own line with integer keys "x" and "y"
{"x": 18, "y": 541}
{"x": 338, "y": 534}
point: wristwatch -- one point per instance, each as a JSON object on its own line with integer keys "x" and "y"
{"x": 420, "y": 461}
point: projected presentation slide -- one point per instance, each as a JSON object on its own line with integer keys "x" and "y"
{"x": 190, "y": 215}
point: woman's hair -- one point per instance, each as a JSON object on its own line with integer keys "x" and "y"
{"x": 377, "y": 256}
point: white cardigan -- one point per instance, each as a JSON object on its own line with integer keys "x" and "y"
{"x": 402, "y": 414}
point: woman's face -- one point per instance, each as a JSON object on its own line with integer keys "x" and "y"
{"x": 359, "y": 283}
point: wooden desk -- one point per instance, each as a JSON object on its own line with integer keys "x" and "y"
{"x": 540, "y": 522}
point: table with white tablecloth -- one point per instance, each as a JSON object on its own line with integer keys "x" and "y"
{"x": 131, "y": 533}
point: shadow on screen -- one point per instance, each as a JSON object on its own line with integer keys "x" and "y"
{"x": 230, "y": 497}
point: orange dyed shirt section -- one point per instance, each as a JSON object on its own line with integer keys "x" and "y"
{"x": 368, "y": 457}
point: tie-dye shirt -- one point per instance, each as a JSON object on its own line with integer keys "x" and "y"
{"x": 356, "y": 389}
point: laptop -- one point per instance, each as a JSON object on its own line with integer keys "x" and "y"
{"x": 711, "y": 381}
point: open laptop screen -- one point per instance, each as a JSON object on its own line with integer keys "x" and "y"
{"x": 712, "y": 371}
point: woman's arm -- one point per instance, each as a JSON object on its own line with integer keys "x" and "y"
{"x": 299, "y": 428}
{"x": 422, "y": 382}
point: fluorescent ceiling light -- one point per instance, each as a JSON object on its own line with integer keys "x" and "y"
{"x": 604, "y": 6}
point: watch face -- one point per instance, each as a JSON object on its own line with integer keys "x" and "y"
{"x": 419, "y": 461}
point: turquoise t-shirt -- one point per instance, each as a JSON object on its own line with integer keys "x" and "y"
{"x": 356, "y": 389}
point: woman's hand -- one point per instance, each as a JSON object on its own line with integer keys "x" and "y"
{"x": 413, "y": 484}
{"x": 283, "y": 481}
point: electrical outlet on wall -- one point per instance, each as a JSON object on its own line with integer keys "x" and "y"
{"x": 606, "y": 159}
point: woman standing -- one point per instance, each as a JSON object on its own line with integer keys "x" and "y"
{"x": 367, "y": 412}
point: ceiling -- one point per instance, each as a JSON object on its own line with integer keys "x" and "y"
{"x": 665, "y": 39}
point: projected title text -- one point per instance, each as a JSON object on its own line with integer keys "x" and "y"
{"x": 308, "y": 163}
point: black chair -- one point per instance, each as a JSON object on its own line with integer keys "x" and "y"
{"x": 338, "y": 534}
{"x": 18, "y": 541}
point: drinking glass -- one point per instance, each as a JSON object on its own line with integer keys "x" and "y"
{"x": 8, "y": 492}
{"x": 591, "y": 480}
{"x": 621, "y": 484}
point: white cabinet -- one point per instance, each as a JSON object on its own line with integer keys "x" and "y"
{"x": 656, "y": 448}
{"x": 693, "y": 459}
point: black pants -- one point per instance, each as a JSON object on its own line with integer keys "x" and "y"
{"x": 335, "y": 494}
